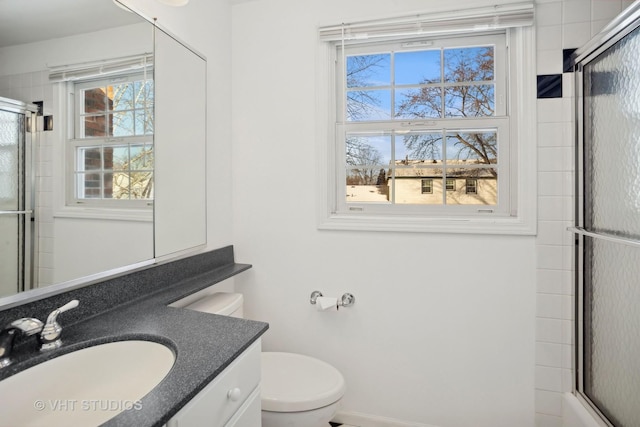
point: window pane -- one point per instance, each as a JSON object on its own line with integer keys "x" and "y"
{"x": 94, "y": 100}
{"x": 417, "y": 67}
{"x": 141, "y": 157}
{"x": 108, "y": 185}
{"x": 89, "y": 159}
{"x": 369, "y": 70}
{"x": 367, "y": 185}
{"x": 119, "y": 156}
{"x": 421, "y": 103}
{"x": 368, "y": 150}
{"x": 121, "y": 96}
{"x": 123, "y": 123}
{"x": 94, "y": 126}
{"x": 140, "y": 185}
{"x": 486, "y": 180}
{"x": 122, "y": 185}
{"x": 143, "y": 94}
{"x": 420, "y": 147}
{"x": 365, "y": 105}
{"x": 143, "y": 122}
{"x": 472, "y": 147}
{"x": 470, "y": 64}
{"x": 470, "y": 101}
{"x": 409, "y": 185}
{"x": 89, "y": 185}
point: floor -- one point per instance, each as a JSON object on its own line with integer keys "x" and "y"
{"x": 341, "y": 425}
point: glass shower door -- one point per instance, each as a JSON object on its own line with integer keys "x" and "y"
{"x": 15, "y": 197}
{"x": 608, "y": 225}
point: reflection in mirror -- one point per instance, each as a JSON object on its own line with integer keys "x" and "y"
{"x": 85, "y": 182}
{"x": 180, "y": 207}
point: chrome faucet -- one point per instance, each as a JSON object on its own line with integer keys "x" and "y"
{"x": 27, "y": 326}
{"x": 50, "y": 335}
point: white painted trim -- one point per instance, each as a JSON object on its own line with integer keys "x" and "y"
{"x": 366, "y": 420}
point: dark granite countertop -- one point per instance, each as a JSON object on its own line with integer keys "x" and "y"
{"x": 204, "y": 344}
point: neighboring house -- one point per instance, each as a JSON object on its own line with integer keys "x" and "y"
{"x": 421, "y": 182}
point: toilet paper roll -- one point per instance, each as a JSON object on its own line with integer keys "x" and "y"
{"x": 327, "y": 304}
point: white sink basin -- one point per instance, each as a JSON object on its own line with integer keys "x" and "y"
{"x": 86, "y": 387}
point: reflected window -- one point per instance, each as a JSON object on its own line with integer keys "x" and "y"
{"x": 112, "y": 148}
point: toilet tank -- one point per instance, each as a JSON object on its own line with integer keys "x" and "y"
{"x": 223, "y": 303}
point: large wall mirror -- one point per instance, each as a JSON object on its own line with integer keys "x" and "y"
{"x": 112, "y": 165}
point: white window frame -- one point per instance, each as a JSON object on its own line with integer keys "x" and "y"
{"x": 101, "y": 208}
{"x": 520, "y": 216}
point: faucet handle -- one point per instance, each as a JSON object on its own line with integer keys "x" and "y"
{"x": 68, "y": 306}
{"x": 50, "y": 336}
{"x": 28, "y": 325}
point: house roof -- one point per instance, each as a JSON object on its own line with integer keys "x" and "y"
{"x": 434, "y": 169}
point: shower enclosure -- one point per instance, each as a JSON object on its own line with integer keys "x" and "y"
{"x": 607, "y": 225}
{"x": 17, "y": 120}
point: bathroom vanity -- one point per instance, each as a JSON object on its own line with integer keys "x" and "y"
{"x": 232, "y": 399}
{"x": 216, "y": 373}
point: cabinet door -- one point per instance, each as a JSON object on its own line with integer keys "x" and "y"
{"x": 218, "y": 402}
{"x": 250, "y": 414}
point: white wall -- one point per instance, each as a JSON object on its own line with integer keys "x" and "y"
{"x": 442, "y": 332}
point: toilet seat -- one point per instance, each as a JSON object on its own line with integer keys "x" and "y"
{"x": 294, "y": 382}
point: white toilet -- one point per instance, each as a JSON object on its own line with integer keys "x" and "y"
{"x": 296, "y": 390}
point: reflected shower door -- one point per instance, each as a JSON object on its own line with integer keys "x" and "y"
{"x": 15, "y": 198}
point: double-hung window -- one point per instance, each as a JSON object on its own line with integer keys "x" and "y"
{"x": 442, "y": 107}
{"x": 432, "y": 108}
{"x": 110, "y": 155}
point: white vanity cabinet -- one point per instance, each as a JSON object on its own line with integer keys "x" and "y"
{"x": 232, "y": 399}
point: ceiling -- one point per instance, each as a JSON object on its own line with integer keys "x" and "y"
{"x": 28, "y": 21}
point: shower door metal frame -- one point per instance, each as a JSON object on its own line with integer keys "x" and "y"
{"x": 28, "y": 274}
{"x": 615, "y": 31}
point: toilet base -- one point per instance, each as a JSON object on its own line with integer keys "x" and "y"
{"x": 315, "y": 418}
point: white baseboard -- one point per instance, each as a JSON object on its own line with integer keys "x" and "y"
{"x": 366, "y": 420}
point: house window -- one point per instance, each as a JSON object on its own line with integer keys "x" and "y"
{"x": 111, "y": 152}
{"x": 450, "y": 108}
{"x": 427, "y": 186}
{"x": 451, "y": 184}
{"x": 471, "y": 186}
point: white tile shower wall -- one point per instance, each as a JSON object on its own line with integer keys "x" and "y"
{"x": 561, "y": 24}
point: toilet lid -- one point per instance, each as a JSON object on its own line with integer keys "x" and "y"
{"x": 294, "y": 382}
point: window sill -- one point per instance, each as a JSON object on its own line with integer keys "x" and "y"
{"x": 109, "y": 214}
{"x": 412, "y": 224}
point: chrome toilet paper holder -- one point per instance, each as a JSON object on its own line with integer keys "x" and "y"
{"x": 347, "y": 299}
